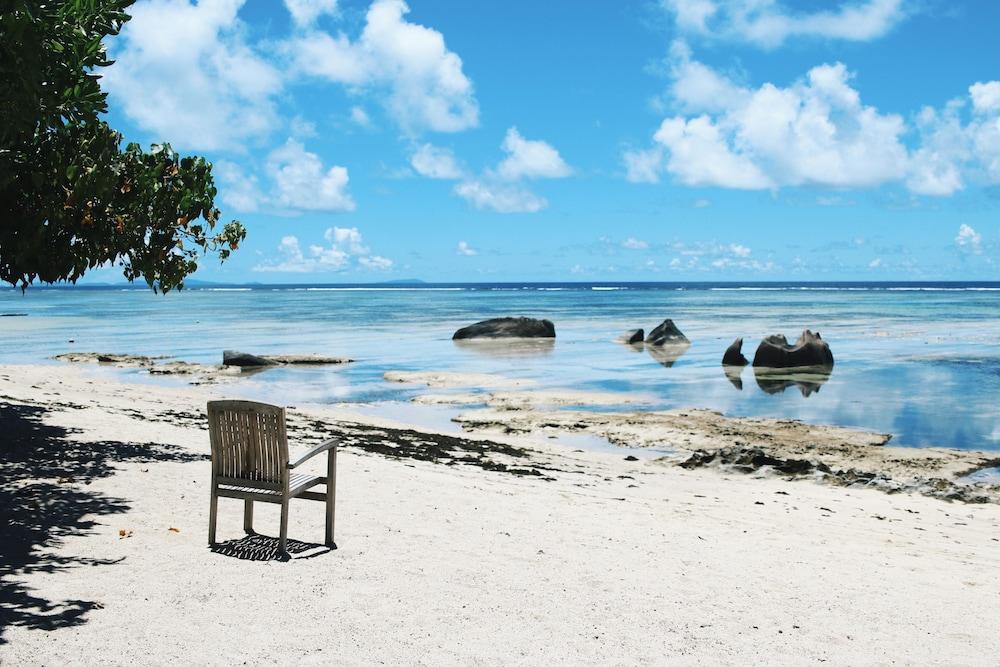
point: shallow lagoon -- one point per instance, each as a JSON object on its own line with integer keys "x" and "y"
{"x": 920, "y": 362}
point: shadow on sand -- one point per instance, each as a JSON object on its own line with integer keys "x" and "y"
{"x": 44, "y": 473}
{"x": 261, "y": 548}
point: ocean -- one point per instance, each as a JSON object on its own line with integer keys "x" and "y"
{"x": 918, "y": 360}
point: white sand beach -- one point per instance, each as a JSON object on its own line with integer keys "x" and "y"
{"x": 584, "y": 558}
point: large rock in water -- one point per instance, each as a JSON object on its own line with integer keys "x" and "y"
{"x": 507, "y": 327}
{"x": 666, "y": 333}
{"x": 733, "y": 356}
{"x": 808, "y": 350}
{"x": 244, "y": 360}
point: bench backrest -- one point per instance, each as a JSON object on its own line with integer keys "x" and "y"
{"x": 249, "y": 442}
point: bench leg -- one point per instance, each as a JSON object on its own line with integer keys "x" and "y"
{"x": 213, "y": 510}
{"x": 283, "y": 540}
{"x": 331, "y": 494}
{"x": 248, "y": 516}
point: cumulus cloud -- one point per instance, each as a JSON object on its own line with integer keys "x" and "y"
{"x": 305, "y": 12}
{"x": 814, "y": 132}
{"x": 185, "y": 73}
{"x": 345, "y": 251}
{"x": 434, "y": 162}
{"x": 301, "y": 183}
{"x": 769, "y": 23}
{"x": 425, "y": 86}
{"x": 955, "y": 146}
{"x": 465, "y": 249}
{"x": 296, "y": 181}
{"x": 985, "y": 97}
{"x": 498, "y": 188}
{"x": 530, "y": 159}
{"x": 237, "y": 189}
{"x": 969, "y": 240}
{"x": 633, "y": 243}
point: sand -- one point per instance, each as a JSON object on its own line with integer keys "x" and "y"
{"x": 485, "y": 549}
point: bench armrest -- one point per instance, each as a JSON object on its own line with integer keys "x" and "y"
{"x": 318, "y": 449}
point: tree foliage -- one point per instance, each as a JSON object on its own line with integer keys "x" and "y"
{"x": 70, "y": 198}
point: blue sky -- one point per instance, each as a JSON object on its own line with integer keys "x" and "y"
{"x": 671, "y": 140}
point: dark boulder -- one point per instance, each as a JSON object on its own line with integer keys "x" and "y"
{"x": 666, "y": 332}
{"x": 244, "y": 360}
{"x": 808, "y": 350}
{"x": 633, "y": 336}
{"x": 733, "y": 356}
{"x": 507, "y": 327}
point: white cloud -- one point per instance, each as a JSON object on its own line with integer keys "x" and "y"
{"x": 360, "y": 117}
{"x": 739, "y": 250}
{"x": 185, "y": 74}
{"x": 499, "y": 188}
{"x": 427, "y": 89}
{"x": 710, "y": 255}
{"x": 985, "y": 96}
{"x": 633, "y": 243}
{"x": 305, "y": 12}
{"x": 769, "y": 23}
{"x": 813, "y": 132}
{"x": 696, "y": 86}
{"x": 301, "y": 128}
{"x": 969, "y": 240}
{"x": 951, "y": 150}
{"x": 237, "y": 189}
{"x": 643, "y": 165}
{"x": 348, "y": 238}
{"x": 434, "y": 162}
{"x": 296, "y": 182}
{"x": 301, "y": 183}
{"x": 935, "y": 167}
{"x": 530, "y": 159}
{"x": 465, "y": 249}
{"x": 376, "y": 262}
{"x": 293, "y": 260}
{"x": 698, "y": 152}
{"x": 875, "y": 263}
{"x": 346, "y": 250}
{"x": 692, "y": 14}
{"x": 500, "y": 197}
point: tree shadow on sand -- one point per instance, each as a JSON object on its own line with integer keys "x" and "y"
{"x": 44, "y": 472}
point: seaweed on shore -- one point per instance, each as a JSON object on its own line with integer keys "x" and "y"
{"x": 403, "y": 443}
{"x": 752, "y": 459}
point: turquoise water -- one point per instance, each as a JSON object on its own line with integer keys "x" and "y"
{"x": 919, "y": 361}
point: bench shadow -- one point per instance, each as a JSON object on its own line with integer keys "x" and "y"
{"x": 44, "y": 474}
{"x": 264, "y": 548}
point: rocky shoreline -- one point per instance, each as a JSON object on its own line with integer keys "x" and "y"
{"x": 199, "y": 373}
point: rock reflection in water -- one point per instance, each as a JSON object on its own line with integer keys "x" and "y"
{"x": 808, "y": 380}
{"x": 734, "y": 375}
{"x": 507, "y": 347}
{"x": 668, "y": 354}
